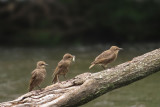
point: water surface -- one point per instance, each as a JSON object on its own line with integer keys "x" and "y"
{"x": 16, "y": 65}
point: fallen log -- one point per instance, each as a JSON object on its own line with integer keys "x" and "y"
{"x": 88, "y": 86}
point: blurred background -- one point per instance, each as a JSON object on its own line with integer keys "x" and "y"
{"x": 57, "y": 22}
{"x": 33, "y": 30}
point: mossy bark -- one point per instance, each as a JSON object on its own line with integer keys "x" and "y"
{"x": 88, "y": 86}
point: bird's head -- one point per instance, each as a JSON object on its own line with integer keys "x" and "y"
{"x": 68, "y": 56}
{"x": 41, "y": 64}
{"x": 115, "y": 49}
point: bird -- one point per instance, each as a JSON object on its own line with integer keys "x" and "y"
{"x": 106, "y": 57}
{"x": 37, "y": 75}
{"x": 63, "y": 67}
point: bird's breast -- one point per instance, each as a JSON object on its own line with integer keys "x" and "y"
{"x": 42, "y": 74}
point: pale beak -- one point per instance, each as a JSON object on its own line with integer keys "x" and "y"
{"x": 73, "y": 58}
{"x": 120, "y": 48}
{"x": 46, "y": 64}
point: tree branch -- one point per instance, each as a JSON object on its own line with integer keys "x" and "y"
{"x": 88, "y": 86}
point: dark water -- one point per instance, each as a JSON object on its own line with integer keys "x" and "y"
{"x": 16, "y": 65}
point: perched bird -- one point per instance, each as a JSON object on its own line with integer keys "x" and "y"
{"x": 106, "y": 57}
{"x": 37, "y": 75}
{"x": 63, "y": 67}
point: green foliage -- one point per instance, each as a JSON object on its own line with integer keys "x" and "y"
{"x": 71, "y": 21}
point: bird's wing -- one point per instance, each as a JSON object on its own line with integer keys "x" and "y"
{"x": 33, "y": 76}
{"x": 105, "y": 56}
{"x": 61, "y": 64}
{"x": 59, "y": 67}
{"x": 34, "y": 73}
{"x": 101, "y": 60}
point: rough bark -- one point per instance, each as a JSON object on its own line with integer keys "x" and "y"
{"x": 88, "y": 86}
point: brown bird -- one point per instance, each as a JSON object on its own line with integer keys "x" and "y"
{"x": 63, "y": 67}
{"x": 106, "y": 57}
{"x": 38, "y": 75}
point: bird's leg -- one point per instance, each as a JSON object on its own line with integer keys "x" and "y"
{"x": 103, "y": 67}
{"x": 64, "y": 76}
{"x": 58, "y": 78}
{"x": 39, "y": 87}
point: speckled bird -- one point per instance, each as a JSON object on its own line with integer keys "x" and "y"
{"x": 62, "y": 67}
{"x": 37, "y": 75}
{"x": 106, "y": 57}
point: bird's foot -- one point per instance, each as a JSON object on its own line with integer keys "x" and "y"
{"x": 103, "y": 67}
{"x": 41, "y": 89}
{"x": 59, "y": 82}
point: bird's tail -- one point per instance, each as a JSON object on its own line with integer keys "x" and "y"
{"x": 30, "y": 88}
{"x": 91, "y": 66}
{"x": 55, "y": 78}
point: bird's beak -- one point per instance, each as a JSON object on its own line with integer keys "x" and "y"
{"x": 120, "y": 48}
{"x": 46, "y": 64}
{"x": 73, "y": 58}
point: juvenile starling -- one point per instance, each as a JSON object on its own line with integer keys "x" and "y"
{"x": 37, "y": 75}
{"x": 106, "y": 57}
{"x": 62, "y": 67}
